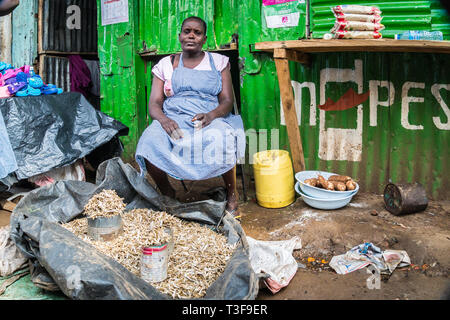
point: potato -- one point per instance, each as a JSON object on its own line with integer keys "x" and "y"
{"x": 325, "y": 184}
{"x": 351, "y": 185}
{"x": 339, "y": 178}
{"x": 339, "y": 186}
{"x": 311, "y": 182}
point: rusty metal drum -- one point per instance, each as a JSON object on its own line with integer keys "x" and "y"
{"x": 405, "y": 198}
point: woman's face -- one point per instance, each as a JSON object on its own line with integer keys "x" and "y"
{"x": 192, "y": 36}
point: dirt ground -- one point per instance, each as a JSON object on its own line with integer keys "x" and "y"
{"x": 425, "y": 236}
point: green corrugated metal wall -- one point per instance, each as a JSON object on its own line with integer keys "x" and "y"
{"x": 388, "y": 150}
{"x": 398, "y": 16}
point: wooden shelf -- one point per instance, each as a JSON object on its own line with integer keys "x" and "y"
{"x": 364, "y": 45}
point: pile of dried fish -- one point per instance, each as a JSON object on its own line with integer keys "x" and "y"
{"x": 199, "y": 256}
{"x": 104, "y": 204}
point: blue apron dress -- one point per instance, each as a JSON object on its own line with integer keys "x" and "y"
{"x": 200, "y": 154}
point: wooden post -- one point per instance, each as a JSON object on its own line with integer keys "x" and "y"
{"x": 290, "y": 115}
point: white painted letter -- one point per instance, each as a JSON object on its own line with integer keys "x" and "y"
{"x": 406, "y": 100}
{"x": 374, "y": 102}
{"x": 74, "y": 21}
{"x": 297, "y": 87}
{"x": 338, "y": 143}
{"x": 435, "y": 88}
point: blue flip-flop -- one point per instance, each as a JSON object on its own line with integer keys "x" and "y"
{"x": 48, "y": 91}
{"x": 34, "y": 92}
{"x": 2, "y": 66}
{"x": 35, "y": 82}
{"x": 23, "y": 92}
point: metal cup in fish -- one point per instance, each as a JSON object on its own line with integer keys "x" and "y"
{"x": 105, "y": 228}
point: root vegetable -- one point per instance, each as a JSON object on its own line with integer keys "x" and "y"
{"x": 339, "y": 178}
{"x": 351, "y": 185}
{"x": 325, "y": 184}
{"x": 311, "y": 182}
{"x": 339, "y": 186}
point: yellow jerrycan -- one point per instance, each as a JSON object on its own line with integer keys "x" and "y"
{"x": 274, "y": 178}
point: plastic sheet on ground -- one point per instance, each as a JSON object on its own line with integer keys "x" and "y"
{"x": 275, "y": 260}
{"x": 81, "y": 271}
{"x": 11, "y": 259}
{"x": 367, "y": 254}
{"x": 52, "y": 131}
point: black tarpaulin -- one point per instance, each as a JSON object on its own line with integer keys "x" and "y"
{"x": 53, "y": 131}
{"x": 36, "y": 230}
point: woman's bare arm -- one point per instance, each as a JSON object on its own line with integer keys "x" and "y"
{"x": 155, "y": 109}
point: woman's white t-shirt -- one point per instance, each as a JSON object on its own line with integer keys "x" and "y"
{"x": 164, "y": 69}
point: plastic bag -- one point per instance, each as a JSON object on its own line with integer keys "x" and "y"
{"x": 373, "y": 18}
{"x": 357, "y": 35}
{"x": 11, "y": 259}
{"x": 74, "y": 171}
{"x": 275, "y": 259}
{"x": 356, "y": 26}
{"x": 356, "y": 9}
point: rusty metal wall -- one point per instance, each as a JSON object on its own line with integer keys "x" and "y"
{"x": 69, "y": 26}
{"x": 56, "y": 71}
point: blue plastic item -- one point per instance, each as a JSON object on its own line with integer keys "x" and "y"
{"x": 23, "y": 92}
{"x": 33, "y": 91}
{"x": 50, "y": 91}
{"x": 60, "y": 91}
{"x": 35, "y": 82}
{"x": 420, "y": 35}
{"x": 319, "y": 192}
{"x": 2, "y": 66}
{"x": 324, "y": 204}
{"x": 22, "y": 77}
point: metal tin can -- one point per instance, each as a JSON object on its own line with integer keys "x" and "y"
{"x": 154, "y": 263}
{"x": 104, "y": 228}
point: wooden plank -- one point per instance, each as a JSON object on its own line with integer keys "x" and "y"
{"x": 291, "y": 55}
{"x": 7, "y": 205}
{"x": 369, "y": 45}
{"x": 287, "y": 98}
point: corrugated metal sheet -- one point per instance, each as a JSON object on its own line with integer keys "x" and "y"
{"x": 398, "y": 15}
{"x": 118, "y": 74}
{"x": 372, "y": 142}
{"x": 160, "y": 22}
{"x": 59, "y": 34}
{"x": 25, "y": 30}
{"x": 440, "y": 19}
{"x": 56, "y": 71}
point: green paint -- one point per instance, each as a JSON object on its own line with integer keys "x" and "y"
{"x": 24, "y": 289}
{"x": 389, "y": 151}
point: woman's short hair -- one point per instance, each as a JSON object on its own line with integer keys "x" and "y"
{"x": 194, "y": 18}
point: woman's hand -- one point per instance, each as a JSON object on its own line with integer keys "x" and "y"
{"x": 205, "y": 118}
{"x": 171, "y": 127}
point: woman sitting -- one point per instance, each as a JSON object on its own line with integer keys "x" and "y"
{"x": 193, "y": 135}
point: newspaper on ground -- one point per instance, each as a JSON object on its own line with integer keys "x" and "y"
{"x": 368, "y": 254}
